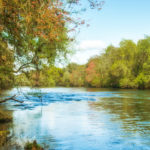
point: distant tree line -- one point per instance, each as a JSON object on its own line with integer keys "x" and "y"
{"x": 126, "y": 66}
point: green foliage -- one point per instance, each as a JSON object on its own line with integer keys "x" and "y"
{"x": 141, "y": 81}
{"x": 66, "y": 79}
{"x": 37, "y": 38}
{"x": 49, "y": 77}
{"x": 77, "y": 76}
{"x": 22, "y": 80}
{"x": 5, "y": 118}
{"x": 3, "y": 137}
{"x": 6, "y": 66}
{"x": 126, "y": 66}
{"x": 127, "y": 83}
{"x": 32, "y": 146}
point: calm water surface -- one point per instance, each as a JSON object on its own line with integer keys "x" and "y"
{"x": 82, "y": 119}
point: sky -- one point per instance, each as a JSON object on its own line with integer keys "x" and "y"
{"x": 118, "y": 20}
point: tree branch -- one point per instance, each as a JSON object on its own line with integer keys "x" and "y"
{"x": 10, "y": 98}
{"x": 22, "y": 67}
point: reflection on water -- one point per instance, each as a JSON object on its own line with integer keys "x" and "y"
{"x": 83, "y": 119}
{"x": 134, "y": 113}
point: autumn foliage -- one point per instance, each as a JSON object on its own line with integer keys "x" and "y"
{"x": 40, "y": 18}
{"x": 36, "y": 31}
{"x": 125, "y": 66}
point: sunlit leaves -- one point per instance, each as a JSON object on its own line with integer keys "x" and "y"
{"x": 6, "y": 66}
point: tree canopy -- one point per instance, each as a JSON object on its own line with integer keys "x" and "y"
{"x": 125, "y": 66}
{"x": 36, "y": 31}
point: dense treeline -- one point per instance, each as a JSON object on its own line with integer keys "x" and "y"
{"x": 6, "y": 66}
{"x": 47, "y": 76}
{"x": 126, "y": 66}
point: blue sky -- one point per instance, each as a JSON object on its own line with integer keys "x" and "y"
{"x": 119, "y": 19}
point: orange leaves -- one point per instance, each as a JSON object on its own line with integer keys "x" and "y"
{"x": 33, "y": 2}
{"x": 91, "y": 65}
{"x": 48, "y": 20}
{"x": 1, "y": 28}
{"x": 44, "y": 18}
{"x": 50, "y": 23}
{"x": 91, "y": 71}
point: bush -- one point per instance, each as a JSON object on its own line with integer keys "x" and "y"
{"x": 32, "y": 146}
{"x": 5, "y": 117}
{"x": 3, "y": 137}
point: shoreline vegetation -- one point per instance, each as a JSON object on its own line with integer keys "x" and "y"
{"x": 33, "y": 146}
{"x": 125, "y": 67}
{"x": 6, "y": 119}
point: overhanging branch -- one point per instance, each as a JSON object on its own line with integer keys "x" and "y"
{"x": 22, "y": 67}
{"x": 10, "y": 98}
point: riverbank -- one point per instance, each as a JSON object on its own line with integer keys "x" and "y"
{"x": 5, "y": 121}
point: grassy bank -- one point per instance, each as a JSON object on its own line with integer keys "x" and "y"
{"x": 5, "y": 120}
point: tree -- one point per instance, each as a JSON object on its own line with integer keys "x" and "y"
{"x": 92, "y": 73}
{"x": 142, "y": 63}
{"x": 77, "y": 76}
{"x": 38, "y": 30}
{"x": 6, "y": 65}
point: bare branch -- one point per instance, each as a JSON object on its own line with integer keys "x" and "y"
{"x": 22, "y": 67}
{"x": 10, "y": 98}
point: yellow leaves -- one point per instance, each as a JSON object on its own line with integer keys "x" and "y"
{"x": 16, "y": 1}
{"x": 1, "y": 28}
{"x": 28, "y": 18}
{"x": 1, "y": 5}
{"x": 4, "y": 58}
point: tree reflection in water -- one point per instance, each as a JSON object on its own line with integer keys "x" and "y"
{"x": 132, "y": 112}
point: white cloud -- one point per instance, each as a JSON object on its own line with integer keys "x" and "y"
{"x": 91, "y": 44}
{"x": 87, "y": 49}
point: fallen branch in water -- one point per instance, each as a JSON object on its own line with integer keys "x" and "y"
{"x": 10, "y": 98}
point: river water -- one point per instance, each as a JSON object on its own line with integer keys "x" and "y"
{"x": 81, "y": 118}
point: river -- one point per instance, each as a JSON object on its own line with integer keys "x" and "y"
{"x": 81, "y": 118}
